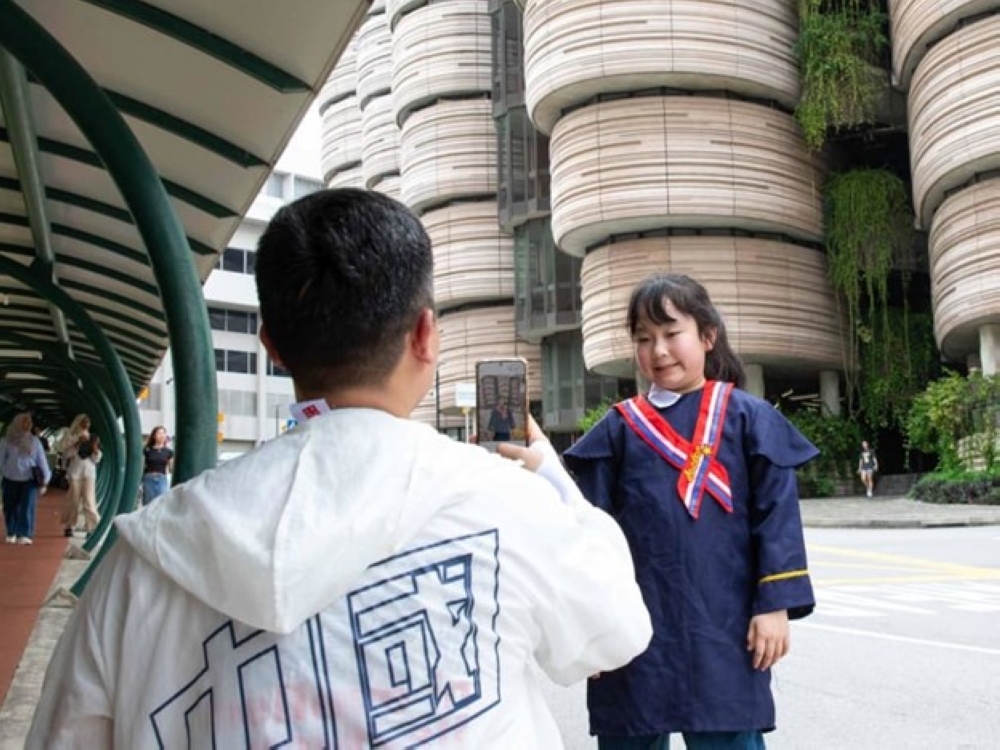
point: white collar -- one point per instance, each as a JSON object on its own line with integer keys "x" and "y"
{"x": 661, "y": 398}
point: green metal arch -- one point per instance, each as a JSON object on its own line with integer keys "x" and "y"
{"x": 211, "y": 44}
{"x": 95, "y": 403}
{"x": 121, "y": 387}
{"x": 121, "y": 495}
{"x": 102, "y": 411}
{"x": 162, "y": 233}
{"x": 181, "y": 193}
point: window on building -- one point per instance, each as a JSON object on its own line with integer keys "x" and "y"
{"x": 237, "y": 361}
{"x": 216, "y": 319}
{"x": 305, "y": 186}
{"x": 228, "y": 360}
{"x": 274, "y": 186}
{"x": 238, "y": 403}
{"x": 546, "y": 283}
{"x": 235, "y": 321}
{"x": 235, "y": 260}
{"x": 277, "y": 370}
{"x": 568, "y": 389}
{"x": 507, "y": 58}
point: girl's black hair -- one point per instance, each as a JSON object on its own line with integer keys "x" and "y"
{"x": 690, "y": 298}
{"x": 152, "y": 434}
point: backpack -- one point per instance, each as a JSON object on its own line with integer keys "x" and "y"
{"x": 84, "y": 449}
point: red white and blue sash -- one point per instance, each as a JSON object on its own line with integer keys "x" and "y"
{"x": 696, "y": 459}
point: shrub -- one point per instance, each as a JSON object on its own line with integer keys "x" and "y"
{"x": 958, "y": 488}
{"x": 814, "y": 485}
{"x": 593, "y": 415}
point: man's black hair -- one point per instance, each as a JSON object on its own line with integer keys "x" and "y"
{"x": 342, "y": 276}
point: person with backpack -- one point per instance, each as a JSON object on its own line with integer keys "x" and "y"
{"x": 81, "y": 452}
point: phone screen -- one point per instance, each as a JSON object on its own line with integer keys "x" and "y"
{"x": 501, "y": 402}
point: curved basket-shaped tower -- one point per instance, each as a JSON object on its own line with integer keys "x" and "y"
{"x": 352, "y": 177}
{"x": 674, "y": 119}
{"x": 468, "y": 336}
{"x": 483, "y": 333}
{"x": 775, "y": 298}
{"x": 645, "y": 163}
{"x": 954, "y": 114}
{"x": 473, "y": 259}
{"x": 388, "y": 186}
{"x": 341, "y": 139}
{"x": 577, "y": 49}
{"x": 374, "y": 58}
{"x": 438, "y": 50}
{"x": 448, "y": 152}
{"x": 343, "y": 80}
{"x": 917, "y": 25}
{"x": 379, "y": 140}
{"x": 964, "y": 259}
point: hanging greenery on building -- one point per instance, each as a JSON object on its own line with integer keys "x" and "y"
{"x": 839, "y": 47}
{"x": 891, "y": 352}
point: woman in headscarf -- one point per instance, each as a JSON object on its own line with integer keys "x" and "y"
{"x": 20, "y": 453}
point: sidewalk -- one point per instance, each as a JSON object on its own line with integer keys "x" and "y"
{"x": 893, "y": 512}
{"x": 16, "y": 711}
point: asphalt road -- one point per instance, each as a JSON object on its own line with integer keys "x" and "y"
{"x": 903, "y": 651}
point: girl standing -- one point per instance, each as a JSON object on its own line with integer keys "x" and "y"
{"x": 701, "y": 478}
{"x": 81, "y": 451}
{"x": 158, "y": 458}
{"x": 20, "y": 452}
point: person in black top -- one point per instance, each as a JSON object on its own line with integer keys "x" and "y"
{"x": 867, "y": 466}
{"x": 158, "y": 460}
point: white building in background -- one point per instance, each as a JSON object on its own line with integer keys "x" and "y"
{"x": 253, "y": 394}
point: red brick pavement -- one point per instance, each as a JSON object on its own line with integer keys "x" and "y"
{"x": 26, "y": 574}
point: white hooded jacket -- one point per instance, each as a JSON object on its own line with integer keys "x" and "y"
{"x": 359, "y": 582}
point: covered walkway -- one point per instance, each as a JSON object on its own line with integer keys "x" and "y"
{"x": 134, "y": 134}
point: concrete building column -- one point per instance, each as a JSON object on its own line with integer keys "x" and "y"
{"x": 829, "y": 392}
{"x": 989, "y": 348}
{"x": 755, "y": 379}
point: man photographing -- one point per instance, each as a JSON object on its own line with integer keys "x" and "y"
{"x": 361, "y": 580}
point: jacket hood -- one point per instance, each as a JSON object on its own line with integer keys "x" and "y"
{"x": 275, "y": 536}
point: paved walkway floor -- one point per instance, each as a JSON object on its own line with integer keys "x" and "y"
{"x": 36, "y": 579}
{"x": 26, "y": 573}
{"x": 893, "y": 512}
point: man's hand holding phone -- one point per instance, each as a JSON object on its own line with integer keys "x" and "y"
{"x": 531, "y": 457}
{"x": 540, "y": 457}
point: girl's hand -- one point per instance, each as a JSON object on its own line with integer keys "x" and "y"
{"x": 768, "y": 638}
{"x": 531, "y": 457}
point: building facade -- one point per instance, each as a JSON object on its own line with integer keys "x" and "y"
{"x": 559, "y": 152}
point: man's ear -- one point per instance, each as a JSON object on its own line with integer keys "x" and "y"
{"x": 424, "y": 337}
{"x": 269, "y": 347}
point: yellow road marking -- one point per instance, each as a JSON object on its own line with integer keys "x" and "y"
{"x": 922, "y": 570}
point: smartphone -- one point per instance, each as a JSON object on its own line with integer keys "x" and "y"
{"x": 501, "y": 402}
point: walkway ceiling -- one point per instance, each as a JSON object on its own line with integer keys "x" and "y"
{"x": 213, "y": 91}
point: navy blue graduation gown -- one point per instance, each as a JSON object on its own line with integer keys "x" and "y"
{"x": 702, "y": 579}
